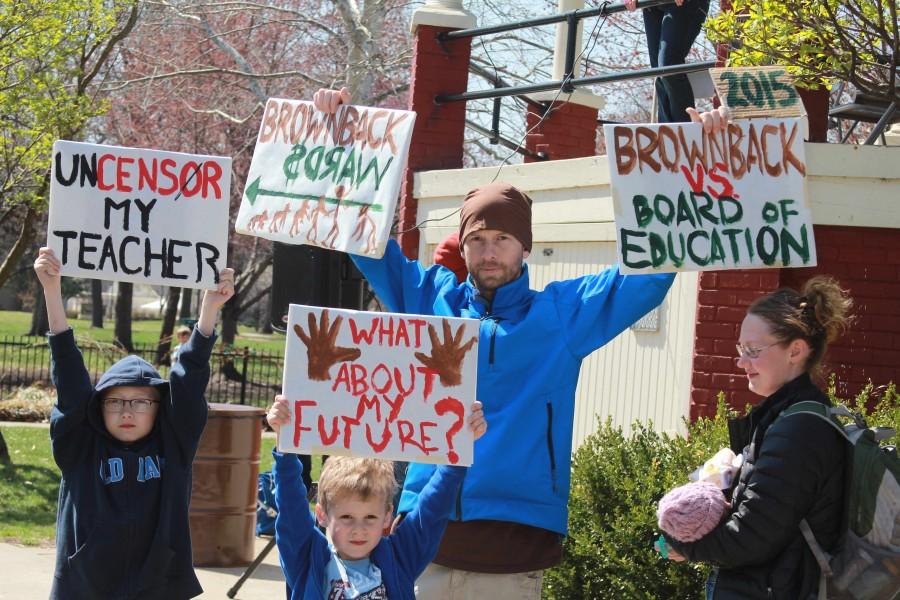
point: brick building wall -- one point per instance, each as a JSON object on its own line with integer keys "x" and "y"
{"x": 864, "y": 260}
{"x": 568, "y": 131}
{"x": 437, "y": 138}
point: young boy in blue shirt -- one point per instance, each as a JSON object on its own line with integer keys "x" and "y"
{"x": 354, "y": 505}
{"x": 125, "y": 450}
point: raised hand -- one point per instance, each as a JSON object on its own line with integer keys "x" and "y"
{"x": 280, "y": 414}
{"x": 328, "y": 101}
{"x": 321, "y": 351}
{"x": 213, "y": 301}
{"x": 447, "y": 356}
{"x": 712, "y": 120}
{"x": 47, "y": 268}
{"x": 223, "y": 292}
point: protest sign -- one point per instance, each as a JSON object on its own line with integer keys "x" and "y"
{"x": 328, "y": 180}
{"x": 686, "y": 200}
{"x": 379, "y": 384}
{"x": 757, "y": 92}
{"x": 131, "y": 214}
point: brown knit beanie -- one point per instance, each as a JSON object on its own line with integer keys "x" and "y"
{"x": 497, "y": 206}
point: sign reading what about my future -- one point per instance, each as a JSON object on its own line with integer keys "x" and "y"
{"x": 686, "y": 200}
{"x": 385, "y": 385}
{"x": 131, "y": 214}
{"x": 327, "y": 180}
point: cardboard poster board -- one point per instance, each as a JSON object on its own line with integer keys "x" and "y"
{"x": 144, "y": 216}
{"x": 326, "y": 180}
{"x": 689, "y": 201}
{"x": 757, "y": 92}
{"x": 386, "y": 385}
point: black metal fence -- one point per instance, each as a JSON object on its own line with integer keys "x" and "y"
{"x": 238, "y": 375}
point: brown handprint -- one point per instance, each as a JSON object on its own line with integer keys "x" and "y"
{"x": 447, "y": 357}
{"x": 321, "y": 351}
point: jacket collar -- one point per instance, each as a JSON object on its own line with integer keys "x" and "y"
{"x": 509, "y": 298}
{"x": 761, "y": 416}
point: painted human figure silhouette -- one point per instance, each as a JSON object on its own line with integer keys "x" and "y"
{"x": 362, "y": 220}
{"x": 322, "y": 351}
{"x": 331, "y": 239}
{"x": 278, "y": 219}
{"x": 447, "y": 356}
{"x": 299, "y": 215}
{"x": 258, "y": 221}
{"x": 320, "y": 210}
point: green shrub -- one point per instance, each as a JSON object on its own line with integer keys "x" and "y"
{"x": 617, "y": 480}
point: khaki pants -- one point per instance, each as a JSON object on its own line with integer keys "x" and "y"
{"x": 441, "y": 583}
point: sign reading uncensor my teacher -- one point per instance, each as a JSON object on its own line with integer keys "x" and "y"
{"x": 686, "y": 200}
{"x": 129, "y": 214}
{"x": 329, "y": 180}
{"x": 379, "y": 384}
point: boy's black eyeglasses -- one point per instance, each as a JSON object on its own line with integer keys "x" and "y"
{"x": 118, "y": 405}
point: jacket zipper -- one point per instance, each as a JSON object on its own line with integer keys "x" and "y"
{"x": 494, "y": 322}
{"x": 550, "y": 444}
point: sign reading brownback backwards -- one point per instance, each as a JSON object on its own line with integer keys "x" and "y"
{"x": 686, "y": 200}
{"x": 757, "y": 92}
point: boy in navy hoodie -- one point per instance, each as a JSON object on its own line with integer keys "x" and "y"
{"x": 354, "y": 504}
{"x": 125, "y": 450}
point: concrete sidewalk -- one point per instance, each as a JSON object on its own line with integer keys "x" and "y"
{"x": 27, "y": 572}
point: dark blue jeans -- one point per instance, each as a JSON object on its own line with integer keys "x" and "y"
{"x": 671, "y": 31}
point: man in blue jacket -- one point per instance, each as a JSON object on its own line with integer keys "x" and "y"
{"x": 511, "y": 512}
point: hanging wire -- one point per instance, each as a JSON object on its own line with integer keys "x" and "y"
{"x": 598, "y": 24}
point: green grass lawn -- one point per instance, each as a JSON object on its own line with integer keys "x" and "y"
{"x": 17, "y": 323}
{"x": 29, "y": 489}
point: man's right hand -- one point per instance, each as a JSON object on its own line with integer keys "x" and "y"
{"x": 279, "y": 414}
{"x": 47, "y": 267}
{"x": 713, "y": 121}
{"x": 328, "y": 101}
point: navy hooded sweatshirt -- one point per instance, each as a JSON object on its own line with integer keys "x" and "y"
{"x": 122, "y": 521}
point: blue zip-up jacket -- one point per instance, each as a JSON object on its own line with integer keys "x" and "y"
{"x": 401, "y": 556}
{"x": 530, "y": 350}
{"x": 122, "y": 521}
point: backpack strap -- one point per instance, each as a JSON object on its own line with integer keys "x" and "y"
{"x": 826, "y": 413}
{"x": 821, "y": 556}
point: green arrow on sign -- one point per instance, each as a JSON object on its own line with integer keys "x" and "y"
{"x": 253, "y": 191}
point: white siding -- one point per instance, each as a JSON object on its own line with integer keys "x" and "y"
{"x": 643, "y": 376}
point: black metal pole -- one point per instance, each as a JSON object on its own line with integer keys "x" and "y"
{"x": 495, "y": 122}
{"x": 580, "y": 82}
{"x": 882, "y": 124}
{"x": 507, "y": 143}
{"x": 244, "y": 375}
{"x": 569, "y": 67}
{"x": 499, "y": 82}
{"x": 581, "y": 13}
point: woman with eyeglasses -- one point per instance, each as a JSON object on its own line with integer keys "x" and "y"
{"x": 793, "y": 467}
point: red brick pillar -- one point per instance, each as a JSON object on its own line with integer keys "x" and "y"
{"x": 568, "y": 131}
{"x": 722, "y": 301}
{"x": 437, "y": 139}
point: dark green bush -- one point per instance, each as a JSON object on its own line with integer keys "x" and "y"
{"x": 617, "y": 480}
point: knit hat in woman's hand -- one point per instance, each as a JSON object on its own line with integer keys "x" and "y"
{"x": 689, "y": 512}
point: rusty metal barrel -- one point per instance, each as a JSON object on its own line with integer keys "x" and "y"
{"x": 223, "y": 497}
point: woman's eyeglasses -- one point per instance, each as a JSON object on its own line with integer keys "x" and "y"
{"x": 117, "y": 405}
{"x": 751, "y": 352}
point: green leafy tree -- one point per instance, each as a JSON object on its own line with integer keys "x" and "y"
{"x": 52, "y": 55}
{"x": 819, "y": 41}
